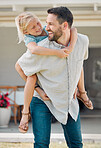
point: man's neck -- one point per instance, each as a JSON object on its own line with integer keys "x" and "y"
{"x": 64, "y": 39}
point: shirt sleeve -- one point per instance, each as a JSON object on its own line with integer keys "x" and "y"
{"x": 28, "y": 39}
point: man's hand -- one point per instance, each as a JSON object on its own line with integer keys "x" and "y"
{"x": 75, "y": 93}
{"x": 42, "y": 94}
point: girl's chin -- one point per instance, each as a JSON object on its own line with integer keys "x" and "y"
{"x": 39, "y": 33}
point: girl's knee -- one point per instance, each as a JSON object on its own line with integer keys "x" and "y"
{"x": 17, "y": 66}
{"x": 32, "y": 78}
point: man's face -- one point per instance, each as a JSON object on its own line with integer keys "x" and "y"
{"x": 53, "y": 27}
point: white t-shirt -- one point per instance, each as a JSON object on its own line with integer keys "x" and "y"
{"x": 58, "y": 77}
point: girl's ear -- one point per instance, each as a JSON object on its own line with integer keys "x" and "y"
{"x": 25, "y": 32}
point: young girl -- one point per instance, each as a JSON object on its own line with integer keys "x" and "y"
{"x": 31, "y": 32}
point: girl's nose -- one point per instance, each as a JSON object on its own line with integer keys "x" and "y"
{"x": 38, "y": 27}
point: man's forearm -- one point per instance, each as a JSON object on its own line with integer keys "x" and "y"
{"x": 42, "y": 94}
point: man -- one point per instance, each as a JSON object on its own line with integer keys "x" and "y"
{"x": 59, "y": 78}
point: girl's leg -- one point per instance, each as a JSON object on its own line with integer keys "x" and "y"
{"x": 82, "y": 93}
{"x": 81, "y": 86}
{"x": 20, "y": 71}
{"x": 28, "y": 94}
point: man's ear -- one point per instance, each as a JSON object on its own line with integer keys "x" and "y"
{"x": 65, "y": 25}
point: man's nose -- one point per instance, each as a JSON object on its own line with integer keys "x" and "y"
{"x": 47, "y": 27}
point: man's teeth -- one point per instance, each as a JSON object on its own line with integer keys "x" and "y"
{"x": 50, "y": 32}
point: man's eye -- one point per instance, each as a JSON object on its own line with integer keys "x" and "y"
{"x": 50, "y": 23}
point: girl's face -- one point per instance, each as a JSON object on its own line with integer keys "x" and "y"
{"x": 34, "y": 27}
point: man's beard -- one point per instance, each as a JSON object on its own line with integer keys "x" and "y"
{"x": 56, "y": 35}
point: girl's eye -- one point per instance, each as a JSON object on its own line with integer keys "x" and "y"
{"x": 33, "y": 27}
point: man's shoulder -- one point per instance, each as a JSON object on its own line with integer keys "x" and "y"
{"x": 83, "y": 39}
{"x": 43, "y": 42}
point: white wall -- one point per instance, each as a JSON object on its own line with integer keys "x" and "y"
{"x": 94, "y": 34}
{"x": 9, "y": 53}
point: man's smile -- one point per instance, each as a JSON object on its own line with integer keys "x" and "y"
{"x": 50, "y": 33}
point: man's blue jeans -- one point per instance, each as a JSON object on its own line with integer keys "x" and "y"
{"x": 41, "y": 122}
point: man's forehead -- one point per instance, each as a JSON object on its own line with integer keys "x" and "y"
{"x": 51, "y": 18}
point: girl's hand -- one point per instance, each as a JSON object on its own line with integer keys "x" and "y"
{"x": 62, "y": 53}
{"x": 67, "y": 50}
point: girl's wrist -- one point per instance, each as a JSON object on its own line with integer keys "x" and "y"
{"x": 70, "y": 47}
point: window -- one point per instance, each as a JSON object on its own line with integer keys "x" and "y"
{"x": 97, "y": 71}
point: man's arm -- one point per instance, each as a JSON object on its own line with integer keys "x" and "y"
{"x": 42, "y": 94}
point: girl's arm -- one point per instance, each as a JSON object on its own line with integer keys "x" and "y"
{"x": 73, "y": 39}
{"x": 34, "y": 49}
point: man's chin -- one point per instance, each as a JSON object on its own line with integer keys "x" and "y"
{"x": 49, "y": 38}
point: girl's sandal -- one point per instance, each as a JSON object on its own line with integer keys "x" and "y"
{"x": 88, "y": 103}
{"x": 23, "y": 128}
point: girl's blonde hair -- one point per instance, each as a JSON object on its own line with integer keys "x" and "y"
{"x": 22, "y": 22}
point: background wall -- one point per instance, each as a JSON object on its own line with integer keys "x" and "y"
{"x": 10, "y": 51}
